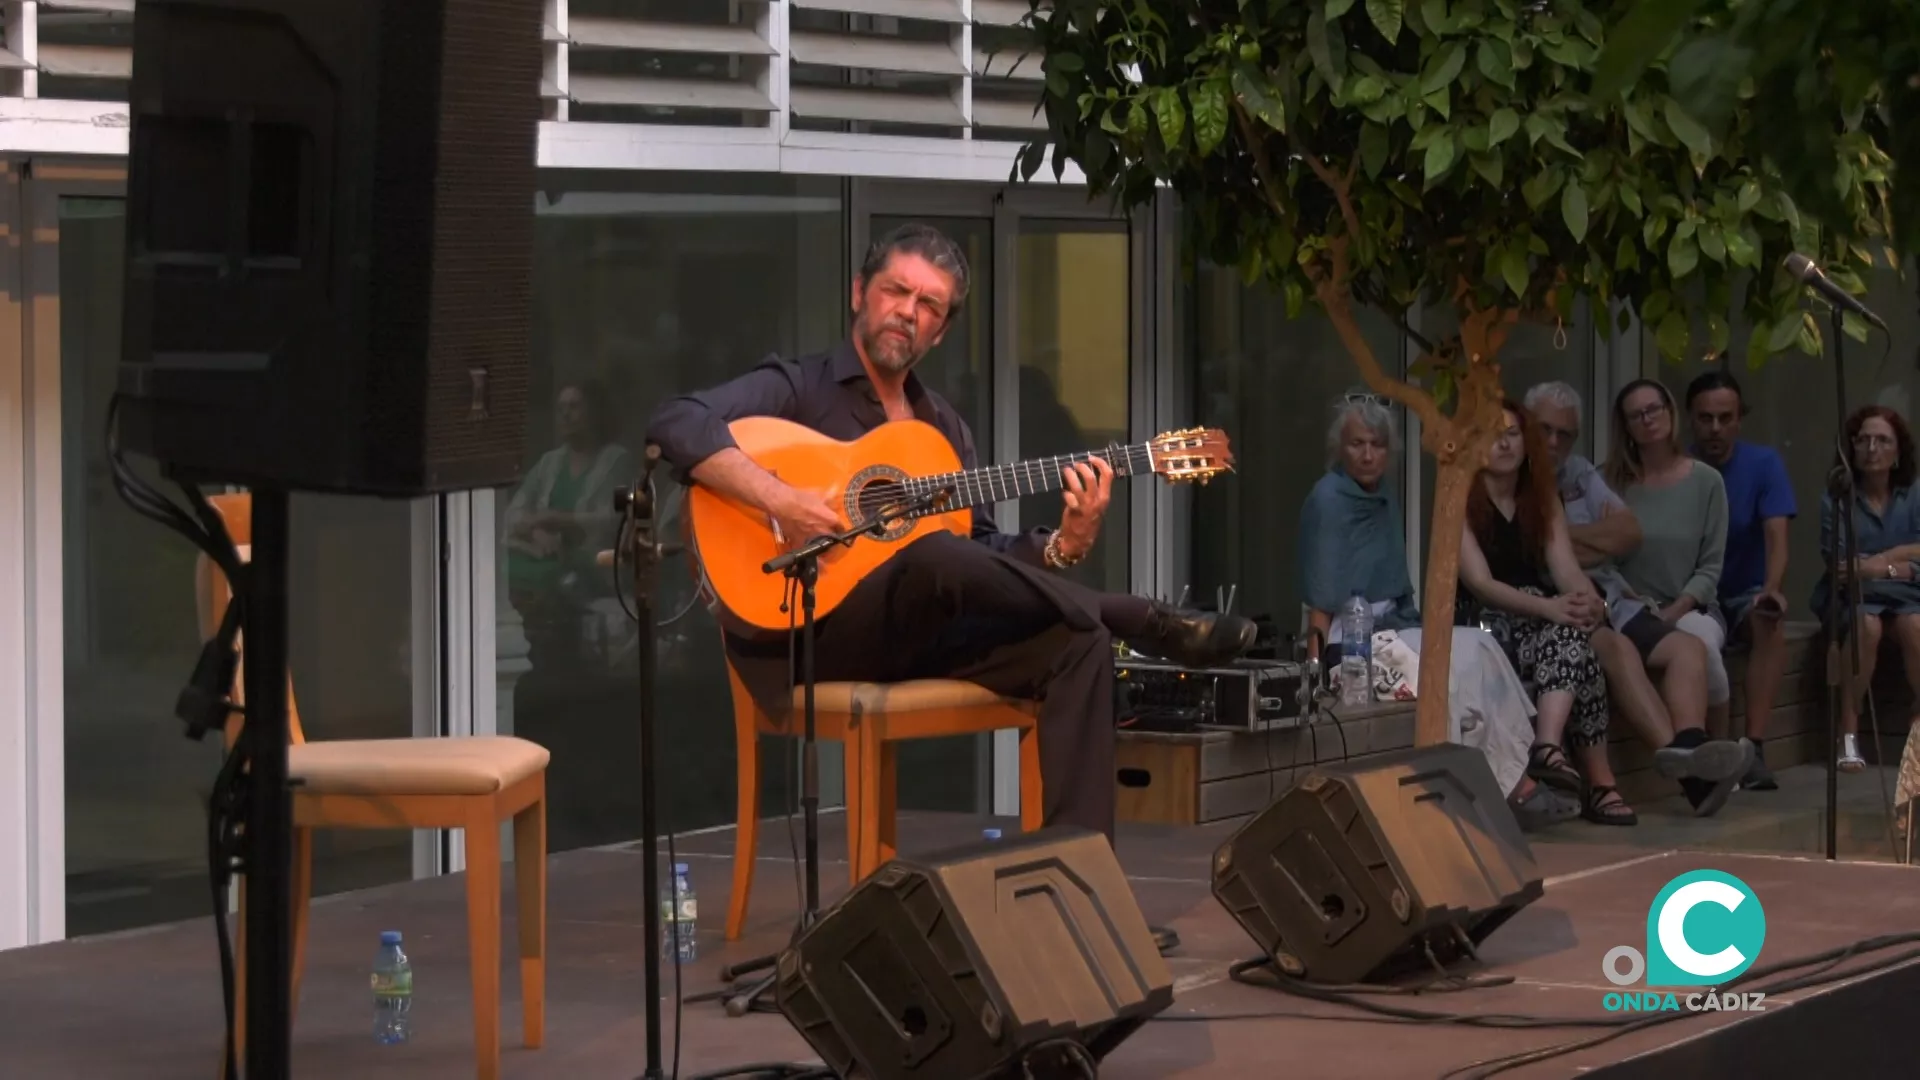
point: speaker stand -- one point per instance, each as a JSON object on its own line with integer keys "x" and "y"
{"x": 269, "y": 805}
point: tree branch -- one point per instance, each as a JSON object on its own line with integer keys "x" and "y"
{"x": 1257, "y": 146}
{"x": 1342, "y": 188}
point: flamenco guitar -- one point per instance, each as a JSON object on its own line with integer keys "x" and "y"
{"x": 893, "y": 464}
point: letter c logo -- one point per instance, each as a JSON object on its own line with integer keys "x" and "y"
{"x": 1673, "y": 928}
{"x": 1704, "y": 927}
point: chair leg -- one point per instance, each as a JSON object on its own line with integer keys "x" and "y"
{"x": 862, "y": 750}
{"x": 887, "y": 813}
{"x": 1032, "y": 808}
{"x": 239, "y": 981}
{"x": 746, "y": 835}
{"x": 301, "y": 886}
{"x": 483, "y": 935}
{"x": 530, "y": 901}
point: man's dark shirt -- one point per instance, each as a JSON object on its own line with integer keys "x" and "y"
{"x": 830, "y": 393}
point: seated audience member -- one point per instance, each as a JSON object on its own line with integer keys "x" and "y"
{"x": 1516, "y": 560}
{"x": 1682, "y": 507}
{"x": 1671, "y": 719}
{"x": 1352, "y": 538}
{"x": 1886, "y": 523}
{"x": 1760, "y": 505}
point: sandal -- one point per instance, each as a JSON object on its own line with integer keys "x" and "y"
{"x": 1602, "y": 810}
{"x": 1548, "y": 764}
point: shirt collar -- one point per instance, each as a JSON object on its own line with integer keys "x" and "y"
{"x": 846, "y": 368}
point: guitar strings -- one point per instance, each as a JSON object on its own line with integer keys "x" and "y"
{"x": 1041, "y": 475}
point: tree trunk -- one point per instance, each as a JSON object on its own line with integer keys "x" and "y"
{"x": 1450, "y": 485}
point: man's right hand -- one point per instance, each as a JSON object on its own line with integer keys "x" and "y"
{"x": 803, "y": 515}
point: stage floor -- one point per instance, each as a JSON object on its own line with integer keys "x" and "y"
{"x": 146, "y": 1005}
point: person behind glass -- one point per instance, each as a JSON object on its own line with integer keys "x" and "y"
{"x": 1517, "y": 561}
{"x": 1760, "y": 505}
{"x": 559, "y": 519}
{"x": 1352, "y": 537}
{"x": 1886, "y": 524}
{"x": 1682, "y": 507}
{"x": 991, "y": 609}
{"x": 1672, "y": 717}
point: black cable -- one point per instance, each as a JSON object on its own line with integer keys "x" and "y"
{"x": 206, "y": 704}
{"x": 768, "y": 1070}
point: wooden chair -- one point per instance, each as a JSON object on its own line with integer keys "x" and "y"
{"x": 473, "y": 784}
{"x": 870, "y": 720}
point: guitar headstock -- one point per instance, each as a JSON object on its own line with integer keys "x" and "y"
{"x": 1192, "y": 454}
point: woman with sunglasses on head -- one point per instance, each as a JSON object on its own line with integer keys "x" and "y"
{"x": 1517, "y": 561}
{"x": 1673, "y": 580}
{"x": 1353, "y": 538}
{"x": 1886, "y": 524}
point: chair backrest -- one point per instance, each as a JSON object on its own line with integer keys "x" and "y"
{"x": 212, "y": 594}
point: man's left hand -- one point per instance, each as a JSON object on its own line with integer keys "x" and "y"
{"x": 1089, "y": 487}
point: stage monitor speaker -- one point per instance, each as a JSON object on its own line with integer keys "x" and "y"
{"x": 330, "y": 241}
{"x": 1364, "y": 867}
{"x": 975, "y": 961}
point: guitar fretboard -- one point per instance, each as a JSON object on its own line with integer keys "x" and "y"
{"x": 995, "y": 483}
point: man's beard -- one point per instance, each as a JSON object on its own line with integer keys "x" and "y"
{"x": 890, "y": 353}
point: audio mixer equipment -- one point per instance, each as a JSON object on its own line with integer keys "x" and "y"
{"x": 1247, "y": 695}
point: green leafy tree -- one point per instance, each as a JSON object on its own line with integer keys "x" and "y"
{"x": 1800, "y": 64}
{"x": 1396, "y": 153}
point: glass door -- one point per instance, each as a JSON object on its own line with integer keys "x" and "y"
{"x": 123, "y": 636}
{"x": 1041, "y": 364}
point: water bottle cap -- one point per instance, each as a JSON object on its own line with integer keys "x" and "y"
{"x": 679, "y": 868}
{"x": 389, "y": 937}
{"x": 991, "y": 834}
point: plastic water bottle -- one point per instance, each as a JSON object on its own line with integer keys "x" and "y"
{"x": 392, "y": 992}
{"x": 1356, "y": 651}
{"x": 679, "y": 917}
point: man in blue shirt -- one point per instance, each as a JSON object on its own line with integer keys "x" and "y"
{"x": 1760, "y": 503}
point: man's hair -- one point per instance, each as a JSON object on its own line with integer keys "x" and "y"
{"x": 1716, "y": 380}
{"x": 928, "y": 243}
{"x": 1558, "y": 394}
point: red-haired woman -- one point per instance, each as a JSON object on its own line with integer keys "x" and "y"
{"x": 1886, "y": 524}
{"x": 1517, "y": 561}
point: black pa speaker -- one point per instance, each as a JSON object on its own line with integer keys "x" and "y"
{"x": 1363, "y": 867}
{"x": 976, "y": 961}
{"x": 330, "y": 241}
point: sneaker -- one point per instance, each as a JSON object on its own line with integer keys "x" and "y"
{"x": 1543, "y": 807}
{"x": 1759, "y": 777}
{"x": 1709, "y": 773}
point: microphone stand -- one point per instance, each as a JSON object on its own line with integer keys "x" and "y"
{"x": 636, "y": 507}
{"x": 802, "y": 565}
{"x": 1842, "y": 550}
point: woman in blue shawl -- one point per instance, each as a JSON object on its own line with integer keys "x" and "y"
{"x": 1352, "y": 537}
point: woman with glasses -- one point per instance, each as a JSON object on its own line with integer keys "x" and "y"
{"x": 1886, "y": 524}
{"x": 1517, "y": 561}
{"x": 1673, "y": 579}
{"x": 1353, "y": 538}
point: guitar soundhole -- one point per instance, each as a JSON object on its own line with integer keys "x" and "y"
{"x": 870, "y": 491}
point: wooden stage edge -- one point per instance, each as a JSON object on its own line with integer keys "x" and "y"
{"x": 75, "y": 1008}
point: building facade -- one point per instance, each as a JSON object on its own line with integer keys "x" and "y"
{"x": 710, "y": 173}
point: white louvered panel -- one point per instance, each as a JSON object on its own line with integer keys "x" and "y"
{"x": 110, "y": 7}
{"x": 86, "y": 61}
{"x": 1007, "y": 64}
{"x": 554, "y": 55}
{"x": 875, "y": 53}
{"x": 1011, "y": 114}
{"x": 11, "y": 62}
{"x": 669, "y": 93}
{"x": 999, "y": 12}
{"x": 875, "y": 106}
{"x": 723, "y": 71}
{"x": 667, "y": 37}
{"x": 947, "y": 11}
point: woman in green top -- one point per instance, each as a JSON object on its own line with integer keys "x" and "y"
{"x": 1673, "y": 580}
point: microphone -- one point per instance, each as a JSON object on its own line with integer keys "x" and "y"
{"x": 1811, "y": 276}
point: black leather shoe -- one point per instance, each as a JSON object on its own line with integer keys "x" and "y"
{"x": 1195, "y": 638}
{"x": 1164, "y": 939}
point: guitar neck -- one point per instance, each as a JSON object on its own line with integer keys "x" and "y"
{"x": 996, "y": 483}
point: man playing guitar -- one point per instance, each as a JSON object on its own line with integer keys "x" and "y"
{"x": 987, "y": 610}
